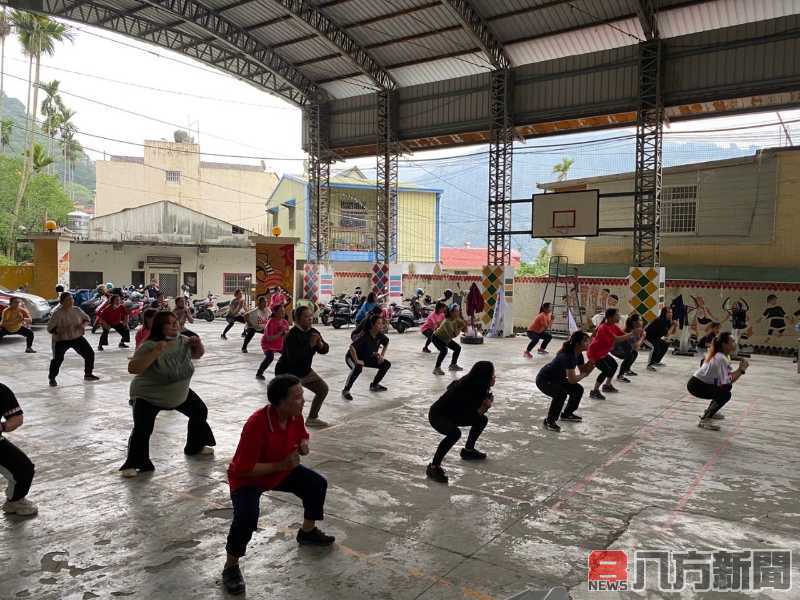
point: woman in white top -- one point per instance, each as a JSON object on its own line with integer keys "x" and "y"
{"x": 714, "y": 379}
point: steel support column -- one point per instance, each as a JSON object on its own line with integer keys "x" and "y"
{"x": 649, "y": 136}
{"x": 319, "y": 174}
{"x": 500, "y": 161}
{"x": 386, "y": 198}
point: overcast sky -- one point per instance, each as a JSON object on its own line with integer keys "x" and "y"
{"x": 235, "y": 118}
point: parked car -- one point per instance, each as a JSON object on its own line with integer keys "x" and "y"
{"x": 38, "y": 307}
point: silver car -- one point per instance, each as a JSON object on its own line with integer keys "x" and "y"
{"x": 37, "y": 306}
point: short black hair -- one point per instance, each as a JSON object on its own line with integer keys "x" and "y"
{"x": 63, "y": 296}
{"x": 298, "y": 312}
{"x": 278, "y": 388}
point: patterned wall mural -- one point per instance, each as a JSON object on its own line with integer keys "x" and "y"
{"x": 275, "y": 267}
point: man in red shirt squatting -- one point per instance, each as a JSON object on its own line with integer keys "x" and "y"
{"x": 268, "y": 458}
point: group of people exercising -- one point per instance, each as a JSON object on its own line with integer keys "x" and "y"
{"x": 275, "y": 437}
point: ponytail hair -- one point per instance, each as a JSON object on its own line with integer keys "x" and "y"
{"x": 631, "y": 321}
{"x": 610, "y": 312}
{"x": 716, "y": 345}
{"x": 573, "y": 341}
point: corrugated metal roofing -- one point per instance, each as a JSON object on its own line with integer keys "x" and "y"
{"x": 428, "y": 36}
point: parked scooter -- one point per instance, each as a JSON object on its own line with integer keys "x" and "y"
{"x": 205, "y": 308}
{"x": 343, "y": 312}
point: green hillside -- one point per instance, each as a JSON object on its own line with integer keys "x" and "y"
{"x": 83, "y": 169}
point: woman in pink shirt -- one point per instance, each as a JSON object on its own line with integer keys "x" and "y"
{"x": 272, "y": 339}
{"x": 432, "y": 323}
{"x": 147, "y": 322}
{"x": 607, "y": 335}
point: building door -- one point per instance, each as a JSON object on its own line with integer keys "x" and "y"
{"x": 167, "y": 281}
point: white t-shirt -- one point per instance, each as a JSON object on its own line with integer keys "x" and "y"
{"x": 715, "y": 372}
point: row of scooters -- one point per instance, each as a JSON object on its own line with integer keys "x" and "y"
{"x": 342, "y": 309}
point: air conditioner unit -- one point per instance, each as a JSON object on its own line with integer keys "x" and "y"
{"x": 203, "y": 249}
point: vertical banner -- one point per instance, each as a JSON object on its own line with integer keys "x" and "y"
{"x": 647, "y": 291}
{"x": 275, "y": 268}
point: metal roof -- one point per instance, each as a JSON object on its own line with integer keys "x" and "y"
{"x": 300, "y": 50}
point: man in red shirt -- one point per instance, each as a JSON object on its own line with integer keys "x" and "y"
{"x": 114, "y": 315}
{"x": 268, "y": 458}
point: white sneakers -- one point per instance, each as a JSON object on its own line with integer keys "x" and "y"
{"x": 206, "y": 451}
{"x": 129, "y": 473}
{"x": 22, "y": 507}
{"x": 316, "y": 422}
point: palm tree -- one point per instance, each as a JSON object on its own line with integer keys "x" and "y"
{"x": 51, "y": 110}
{"x": 6, "y": 127}
{"x": 562, "y": 169}
{"x": 67, "y": 130}
{"x": 40, "y": 158}
{"x": 37, "y": 35}
{"x": 5, "y": 31}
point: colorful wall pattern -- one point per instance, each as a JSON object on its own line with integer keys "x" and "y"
{"x": 274, "y": 267}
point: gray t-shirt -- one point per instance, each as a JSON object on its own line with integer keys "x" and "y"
{"x": 165, "y": 383}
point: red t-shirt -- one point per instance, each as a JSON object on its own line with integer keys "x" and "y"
{"x": 113, "y": 316}
{"x": 274, "y": 327}
{"x": 542, "y": 322}
{"x": 603, "y": 341}
{"x": 142, "y": 335}
{"x": 263, "y": 441}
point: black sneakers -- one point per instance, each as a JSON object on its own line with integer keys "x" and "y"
{"x": 623, "y": 379}
{"x": 123, "y": 345}
{"x": 472, "y": 454}
{"x": 551, "y": 426}
{"x": 260, "y": 377}
{"x": 596, "y": 395}
{"x": 347, "y": 395}
{"x": 610, "y": 389}
{"x": 90, "y": 378}
{"x": 436, "y": 473}
{"x": 233, "y": 581}
{"x": 573, "y": 417}
{"x": 377, "y": 387}
{"x": 53, "y": 383}
{"x": 315, "y": 537}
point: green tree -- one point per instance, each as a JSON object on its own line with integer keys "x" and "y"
{"x": 6, "y": 127}
{"x": 40, "y": 158}
{"x": 37, "y": 35}
{"x": 562, "y": 169}
{"x": 539, "y": 266}
{"x": 44, "y": 196}
{"x": 5, "y": 31}
{"x": 51, "y": 110}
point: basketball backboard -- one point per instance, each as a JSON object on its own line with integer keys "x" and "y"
{"x": 566, "y": 214}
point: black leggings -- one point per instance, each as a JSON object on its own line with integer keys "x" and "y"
{"x": 249, "y": 332}
{"x": 559, "y": 391}
{"x": 301, "y": 481}
{"x": 268, "y": 356}
{"x": 607, "y": 367}
{"x": 231, "y": 321}
{"x": 442, "y": 348}
{"x": 660, "y": 348}
{"x": 718, "y": 394}
{"x": 628, "y": 357}
{"x": 123, "y": 331}
{"x": 81, "y": 346}
{"x": 372, "y": 363}
{"x": 17, "y": 468}
{"x": 428, "y": 333}
{"x": 535, "y": 337}
{"x": 449, "y": 428}
{"x": 23, "y": 331}
{"x": 144, "y": 418}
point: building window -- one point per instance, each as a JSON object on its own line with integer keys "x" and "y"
{"x": 679, "y": 209}
{"x": 236, "y": 230}
{"x": 137, "y": 278}
{"x": 235, "y": 281}
{"x": 292, "y": 218}
{"x": 275, "y": 218}
{"x": 173, "y": 176}
{"x": 353, "y": 213}
{"x": 190, "y": 281}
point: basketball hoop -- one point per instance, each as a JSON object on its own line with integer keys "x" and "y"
{"x": 564, "y": 231}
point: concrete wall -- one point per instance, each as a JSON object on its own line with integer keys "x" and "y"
{"x": 117, "y": 264}
{"x": 229, "y": 192}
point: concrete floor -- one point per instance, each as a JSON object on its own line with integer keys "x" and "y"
{"x": 637, "y": 473}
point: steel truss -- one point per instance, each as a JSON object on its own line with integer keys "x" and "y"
{"x": 319, "y": 181}
{"x": 649, "y": 137}
{"x": 386, "y": 197}
{"x": 501, "y": 147}
{"x": 229, "y": 47}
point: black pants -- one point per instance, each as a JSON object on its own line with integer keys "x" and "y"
{"x": 249, "y": 332}
{"x": 304, "y": 483}
{"x": 628, "y": 357}
{"x": 660, "y": 348}
{"x": 449, "y": 428}
{"x": 429, "y": 337}
{"x": 355, "y": 370}
{"x": 535, "y": 337}
{"x": 17, "y": 468}
{"x": 231, "y": 321}
{"x": 120, "y": 329}
{"x": 607, "y": 367}
{"x": 442, "y": 348}
{"x": 268, "y": 356}
{"x": 198, "y": 434}
{"x": 23, "y": 331}
{"x": 81, "y": 346}
{"x": 718, "y": 394}
{"x": 559, "y": 392}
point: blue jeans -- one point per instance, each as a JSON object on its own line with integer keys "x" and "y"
{"x": 304, "y": 483}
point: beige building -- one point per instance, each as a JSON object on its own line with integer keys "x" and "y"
{"x": 738, "y": 216}
{"x": 173, "y": 171}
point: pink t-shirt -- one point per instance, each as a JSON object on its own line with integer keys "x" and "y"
{"x": 603, "y": 341}
{"x": 274, "y": 327}
{"x": 141, "y": 335}
{"x": 432, "y": 322}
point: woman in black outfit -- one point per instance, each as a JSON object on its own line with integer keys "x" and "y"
{"x": 464, "y": 404}
{"x": 559, "y": 380}
{"x": 628, "y": 351}
{"x": 655, "y": 332}
{"x": 367, "y": 350}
